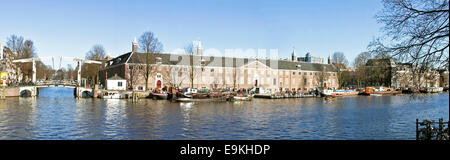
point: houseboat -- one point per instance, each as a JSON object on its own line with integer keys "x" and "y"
{"x": 379, "y": 91}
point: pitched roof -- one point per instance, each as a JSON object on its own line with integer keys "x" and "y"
{"x": 120, "y": 59}
{"x": 116, "y": 77}
{"x": 216, "y": 61}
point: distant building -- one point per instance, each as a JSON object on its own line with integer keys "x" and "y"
{"x": 6, "y": 65}
{"x": 444, "y": 78}
{"x": 387, "y": 72}
{"x": 310, "y": 59}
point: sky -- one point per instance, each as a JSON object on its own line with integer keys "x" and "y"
{"x": 71, "y": 27}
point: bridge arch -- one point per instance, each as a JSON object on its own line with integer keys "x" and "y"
{"x": 87, "y": 94}
{"x": 82, "y": 92}
{"x": 30, "y": 91}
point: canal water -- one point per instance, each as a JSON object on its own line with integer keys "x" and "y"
{"x": 55, "y": 114}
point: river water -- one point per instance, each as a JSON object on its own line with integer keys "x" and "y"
{"x": 55, "y": 114}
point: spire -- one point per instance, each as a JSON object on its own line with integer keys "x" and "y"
{"x": 134, "y": 41}
{"x": 294, "y": 57}
{"x": 293, "y": 51}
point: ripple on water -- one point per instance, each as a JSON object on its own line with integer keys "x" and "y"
{"x": 59, "y": 116}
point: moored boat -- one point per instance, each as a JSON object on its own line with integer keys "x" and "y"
{"x": 379, "y": 91}
{"x": 111, "y": 95}
{"x": 328, "y": 92}
{"x": 262, "y": 93}
{"x": 159, "y": 95}
{"x": 241, "y": 98}
{"x": 263, "y": 96}
{"x": 434, "y": 89}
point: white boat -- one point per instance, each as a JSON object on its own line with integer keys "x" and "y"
{"x": 111, "y": 95}
{"x": 328, "y": 92}
{"x": 241, "y": 98}
{"x": 261, "y": 93}
{"x": 434, "y": 89}
{"x": 188, "y": 92}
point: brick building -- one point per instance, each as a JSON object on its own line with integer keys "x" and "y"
{"x": 215, "y": 72}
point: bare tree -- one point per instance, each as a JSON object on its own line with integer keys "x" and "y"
{"x": 135, "y": 72}
{"x": 320, "y": 78}
{"x": 150, "y": 45}
{"x": 340, "y": 62}
{"x": 90, "y": 71}
{"x": 97, "y": 52}
{"x": 174, "y": 76}
{"x": 15, "y": 44}
{"x": 417, "y": 30}
{"x": 21, "y": 49}
{"x": 60, "y": 74}
{"x": 193, "y": 61}
{"x": 70, "y": 72}
{"x": 360, "y": 65}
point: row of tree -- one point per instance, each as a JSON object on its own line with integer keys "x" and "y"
{"x": 416, "y": 33}
{"x": 21, "y": 48}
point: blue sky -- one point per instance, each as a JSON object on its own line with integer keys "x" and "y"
{"x": 72, "y": 27}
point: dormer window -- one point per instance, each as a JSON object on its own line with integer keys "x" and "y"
{"x": 158, "y": 60}
{"x": 118, "y": 60}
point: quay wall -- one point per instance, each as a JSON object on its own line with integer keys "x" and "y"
{"x": 12, "y": 92}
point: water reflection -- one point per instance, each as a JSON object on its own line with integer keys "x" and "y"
{"x": 57, "y": 115}
{"x": 17, "y": 127}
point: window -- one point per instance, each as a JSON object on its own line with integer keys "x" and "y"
{"x": 119, "y": 84}
{"x": 315, "y": 74}
{"x": 300, "y": 73}
{"x": 310, "y": 73}
{"x": 274, "y": 81}
{"x": 305, "y": 73}
{"x": 304, "y": 81}
{"x": 293, "y": 73}
{"x": 212, "y": 70}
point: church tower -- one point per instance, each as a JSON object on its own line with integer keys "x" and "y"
{"x": 294, "y": 57}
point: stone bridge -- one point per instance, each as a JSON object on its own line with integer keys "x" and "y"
{"x": 83, "y": 92}
{"x": 33, "y": 91}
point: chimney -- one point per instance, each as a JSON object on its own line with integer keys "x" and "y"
{"x": 134, "y": 46}
{"x": 294, "y": 57}
{"x": 329, "y": 59}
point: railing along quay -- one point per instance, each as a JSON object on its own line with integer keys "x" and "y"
{"x": 427, "y": 130}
